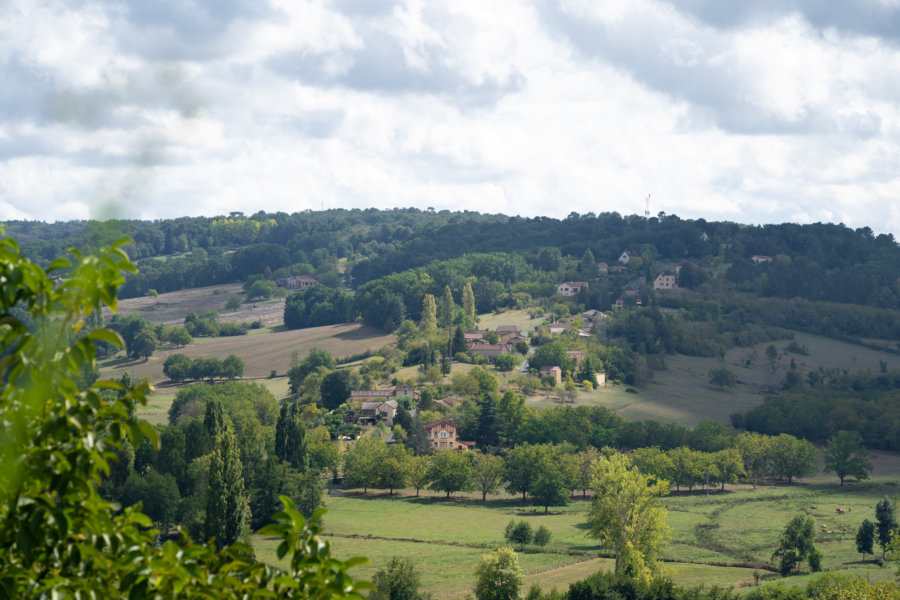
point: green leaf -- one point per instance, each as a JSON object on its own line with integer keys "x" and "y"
{"x": 107, "y": 335}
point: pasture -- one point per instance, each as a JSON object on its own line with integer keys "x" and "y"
{"x": 681, "y": 393}
{"x": 721, "y": 539}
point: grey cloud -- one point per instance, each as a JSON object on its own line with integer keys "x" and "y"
{"x": 185, "y": 29}
{"x": 380, "y": 66}
{"x": 318, "y": 123}
{"x": 368, "y": 8}
{"x": 856, "y": 17}
{"x": 715, "y": 91}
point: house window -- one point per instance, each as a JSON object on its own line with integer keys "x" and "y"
{"x": 443, "y": 435}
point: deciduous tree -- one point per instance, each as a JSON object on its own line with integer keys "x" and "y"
{"x": 722, "y": 377}
{"x": 627, "y": 516}
{"x": 796, "y": 545}
{"x": 845, "y": 456}
{"x": 865, "y": 538}
{"x": 518, "y": 532}
{"x": 362, "y": 461}
{"x": 487, "y": 473}
{"x": 450, "y": 471}
{"x": 399, "y": 580}
{"x": 885, "y": 523}
{"x": 498, "y": 576}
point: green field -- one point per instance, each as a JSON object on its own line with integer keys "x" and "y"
{"x": 720, "y": 539}
{"x": 682, "y": 393}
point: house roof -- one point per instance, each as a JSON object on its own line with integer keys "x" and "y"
{"x": 434, "y": 424}
{"x": 508, "y": 328}
{"x": 449, "y": 400}
{"x": 575, "y": 283}
{"x": 488, "y": 347}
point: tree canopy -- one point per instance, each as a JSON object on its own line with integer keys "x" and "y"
{"x": 627, "y": 516}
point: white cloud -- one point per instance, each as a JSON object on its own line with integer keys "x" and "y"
{"x": 769, "y": 113}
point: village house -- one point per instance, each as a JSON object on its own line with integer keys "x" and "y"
{"x": 442, "y": 435}
{"x": 475, "y": 335}
{"x": 507, "y": 332}
{"x": 603, "y": 268}
{"x": 555, "y": 372}
{"x": 571, "y": 288}
{"x": 761, "y": 258}
{"x": 296, "y": 282}
{"x": 447, "y": 402}
{"x": 625, "y": 257}
{"x": 373, "y": 411}
{"x": 489, "y": 350}
{"x": 665, "y": 281}
{"x": 592, "y": 317}
{"x": 386, "y": 394}
{"x": 576, "y": 356}
{"x": 618, "y": 269}
{"x": 629, "y": 297}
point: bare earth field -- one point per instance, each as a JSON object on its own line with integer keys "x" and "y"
{"x": 170, "y": 308}
{"x": 262, "y": 351}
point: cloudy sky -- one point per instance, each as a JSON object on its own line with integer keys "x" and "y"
{"x": 756, "y": 112}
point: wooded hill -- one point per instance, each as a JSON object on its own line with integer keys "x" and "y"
{"x": 820, "y": 262}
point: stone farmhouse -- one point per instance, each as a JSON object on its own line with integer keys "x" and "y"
{"x": 665, "y": 281}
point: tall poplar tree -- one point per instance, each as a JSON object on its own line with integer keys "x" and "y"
{"x": 214, "y": 419}
{"x": 445, "y": 318}
{"x": 445, "y": 312}
{"x": 291, "y": 444}
{"x": 468, "y": 302}
{"x": 227, "y": 511}
{"x": 429, "y": 314}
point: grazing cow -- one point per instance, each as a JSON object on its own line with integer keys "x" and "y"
{"x": 840, "y": 510}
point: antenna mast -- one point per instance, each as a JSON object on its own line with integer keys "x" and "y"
{"x": 647, "y": 209}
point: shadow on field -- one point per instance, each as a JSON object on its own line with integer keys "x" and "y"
{"x": 360, "y": 333}
{"x": 122, "y": 361}
{"x": 513, "y": 506}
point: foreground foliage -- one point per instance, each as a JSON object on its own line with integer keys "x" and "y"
{"x": 58, "y": 437}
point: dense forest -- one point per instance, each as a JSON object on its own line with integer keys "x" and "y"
{"x": 818, "y": 262}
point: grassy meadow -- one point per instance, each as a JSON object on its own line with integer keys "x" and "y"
{"x": 724, "y": 539}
